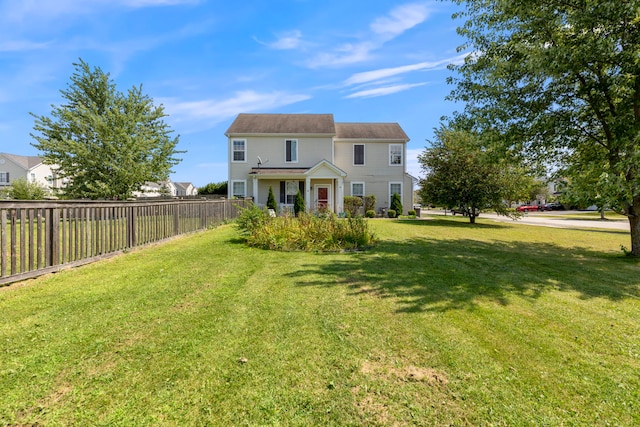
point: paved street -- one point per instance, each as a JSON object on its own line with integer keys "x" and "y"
{"x": 549, "y": 219}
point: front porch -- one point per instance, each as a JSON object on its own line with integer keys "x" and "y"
{"x": 322, "y": 186}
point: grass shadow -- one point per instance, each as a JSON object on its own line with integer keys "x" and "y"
{"x": 437, "y": 275}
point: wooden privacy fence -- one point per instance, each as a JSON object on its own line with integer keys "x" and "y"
{"x": 41, "y": 237}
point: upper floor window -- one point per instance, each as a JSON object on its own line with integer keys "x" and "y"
{"x": 358, "y": 154}
{"x": 291, "y": 150}
{"x": 395, "y": 154}
{"x": 4, "y": 177}
{"x": 239, "y": 150}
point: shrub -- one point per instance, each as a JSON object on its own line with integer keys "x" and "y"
{"x": 251, "y": 219}
{"x": 411, "y": 213}
{"x": 391, "y": 213}
{"x": 396, "y": 204}
{"x": 21, "y": 189}
{"x": 351, "y": 205}
{"x": 271, "y": 200}
{"x": 370, "y": 203}
{"x": 370, "y": 213}
{"x": 305, "y": 232}
{"x": 298, "y": 204}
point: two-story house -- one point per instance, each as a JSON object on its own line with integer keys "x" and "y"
{"x": 322, "y": 159}
{"x": 31, "y": 168}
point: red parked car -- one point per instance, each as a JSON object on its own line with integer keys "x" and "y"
{"x": 529, "y": 208}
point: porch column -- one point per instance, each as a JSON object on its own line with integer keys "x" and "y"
{"x": 307, "y": 194}
{"x": 340, "y": 201}
{"x": 255, "y": 190}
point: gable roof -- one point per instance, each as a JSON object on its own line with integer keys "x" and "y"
{"x": 386, "y": 131}
{"x": 183, "y": 185}
{"x": 252, "y": 124}
{"x": 25, "y": 162}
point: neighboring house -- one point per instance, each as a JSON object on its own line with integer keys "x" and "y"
{"x": 156, "y": 189}
{"x": 322, "y": 159}
{"x": 31, "y": 168}
{"x": 185, "y": 189}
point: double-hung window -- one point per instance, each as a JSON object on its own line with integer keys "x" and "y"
{"x": 395, "y": 154}
{"x": 357, "y": 189}
{"x": 239, "y": 189}
{"x": 4, "y": 178}
{"x": 239, "y": 150}
{"x": 358, "y": 154}
{"x": 291, "y": 151}
{"x": 395, "y": 188}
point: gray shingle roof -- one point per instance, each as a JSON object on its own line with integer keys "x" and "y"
{"x": 299, "y": 124}
{"x": 26, "y": 162}
{"x": 386, "y": 131}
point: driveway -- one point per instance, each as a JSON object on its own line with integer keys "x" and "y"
{"x": 549, "y": 219}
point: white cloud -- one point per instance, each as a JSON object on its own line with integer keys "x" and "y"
{"x": 381, "y": 91}
{"x": 346, "y": 54}
{"x": 370, "y": 76}
{"x": 216, "y": 111}
{"x": 382, "y": 30}
{"x": 21, "y": 45}
{"x": 400, "y": 19}
{"x": 286, "y": 41}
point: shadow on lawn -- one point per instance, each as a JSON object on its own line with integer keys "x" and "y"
{"x": 426, "y": 274}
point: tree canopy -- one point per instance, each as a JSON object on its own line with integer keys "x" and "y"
{"x": 106, "y": 143}
{"x": 462, "y": 173}
{"x": 560, "y": 80}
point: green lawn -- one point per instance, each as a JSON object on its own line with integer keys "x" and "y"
{"x": 442, "y": 323}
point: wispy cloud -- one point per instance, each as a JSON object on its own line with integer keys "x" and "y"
{"x": 370, "y": 76}
{"x": 381, "y": 91}
{"x": 285, "y": 41}
{"x": 400, "y": 19}
{"x": 215, "y": 111}
{"x": 18, "y": 11}
{"x": 381, "y": 30}
{"x": 22, "y": 45}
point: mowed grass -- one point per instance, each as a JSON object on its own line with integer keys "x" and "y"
{"x": 442, "y": 323}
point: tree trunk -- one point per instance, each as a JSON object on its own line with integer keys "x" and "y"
{"x": 634, "y": 224}
{"x": 472, "y": 219}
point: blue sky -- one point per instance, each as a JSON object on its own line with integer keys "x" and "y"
{"x": 206, "y": 61}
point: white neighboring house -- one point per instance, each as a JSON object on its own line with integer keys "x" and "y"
{"x": 185, "y": 189}
{"x": 322, "y": 159}
{"x": 156, "y": 189}
{"x": 31, "y": 168}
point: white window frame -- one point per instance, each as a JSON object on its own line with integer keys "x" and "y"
{"x": 357, "y": 183}
{"x": 392, "y": 157}
{"x": 234, "y": 151}
{"x": 391, "y": 192}
{"x": 294, "y": 153}
{"x": 364, "y": 156}
{"x": 244, "y": 187}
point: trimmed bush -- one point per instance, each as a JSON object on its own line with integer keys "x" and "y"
{"x": 396, "y": 204}
{"x": 351, "y": 205}
{"x": 370, "y": 203}
{"x": 411, "y": 213}
{"x": 298, "y": 204}
{"x": 370, "y": 213}
{"x": 271, "y": 200}
{"x": 391, "y": 213}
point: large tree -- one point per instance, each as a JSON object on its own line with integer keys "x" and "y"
{"x": 463, "y": 172}
{"x": 560, "y": 79}
{"x": 106, "y": 143}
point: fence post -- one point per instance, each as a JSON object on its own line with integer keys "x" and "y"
{"x": 131, "y": 226}
{"x": 53, "y": 239}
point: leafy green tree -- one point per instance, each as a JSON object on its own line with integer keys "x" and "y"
{"x": 461, "y": 173}
{"x": 271, "y": 200}
{"x": 561, "y": 81}
{"x": 107, "y": 143}
{"x": 214, "y": 188}
{"x": 21, "y": 189}
{"x": 396, "y": 204}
